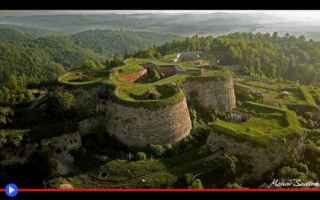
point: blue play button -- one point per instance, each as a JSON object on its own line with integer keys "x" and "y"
{"x": 11, "y": 190}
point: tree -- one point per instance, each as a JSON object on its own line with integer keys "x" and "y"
{"x": 61, "y": 104}
{"x": 66, "y": 100}
{"x": 197, "y": 184}
{"x": 261, "y": 55}
{"x": 4, "y": 95}
{"x": 141, "y": 156}
{"x": 290, "y": 173}
{"x": 12, "y": 83}
{"x": 157, "y": 150}
{"x": 90, "y": 64}
{"x": 188, "y": 178}
{"x": 114, "y": 62}
{"x": 58, "y": 69}
{"x": 275, "y": 35}
{"x": 233, "y": 185}
{"x": 6, "y": 115}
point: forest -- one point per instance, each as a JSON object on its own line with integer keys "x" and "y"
{"x": 35, "y": 58}
{"x": 27, "y": 58}
{"x": 261, "y": 54}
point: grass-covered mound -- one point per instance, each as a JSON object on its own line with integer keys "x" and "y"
{"x": 299, "y": 97}
{"x": 80, "y": 77}
{"x": 159, "y": 93}
{"x": 265, "y": 124}
{"x": 159, "y": 90}
{"x": 148, "y": 97}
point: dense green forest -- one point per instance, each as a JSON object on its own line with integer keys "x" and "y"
{"x": 261, "y": 55}
{"x": 35, "y": 58}
{"x": 35, "y": 32}
{"x": 108, "y": 43}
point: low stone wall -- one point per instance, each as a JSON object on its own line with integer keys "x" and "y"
{"x": 16, "y": 154}
{"x": 91, "y": 125}
{"x": 169, "y": 70}
{"x": 261, "y": 159}
{"x": 142, "y": 126}
{"x": 60, "y": 160}
{"x": 63, "y": 143}
{"x": 134, "y": 76}
{"x": 212, "y": 94}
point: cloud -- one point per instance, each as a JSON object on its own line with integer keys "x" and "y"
{"x": 289, "y": 15}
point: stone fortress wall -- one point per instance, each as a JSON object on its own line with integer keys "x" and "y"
{"x": 168, "y": 125}
{"x": 212, "y": 94}
{"x": 61, "y": 160}
{"x": 259, "y": 159}
{"x": 141, "y": 126}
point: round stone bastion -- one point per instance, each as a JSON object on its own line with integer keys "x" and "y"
{"x": 141, "y": 126}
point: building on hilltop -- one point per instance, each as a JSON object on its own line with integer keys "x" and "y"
{"x": 187, "y": 56}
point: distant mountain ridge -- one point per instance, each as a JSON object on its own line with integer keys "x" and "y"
{"x": 35, "y": 57}
{"x": 107, "y": 42}
{"x": 34, "y": 32}
{"x": 184, "y": 24}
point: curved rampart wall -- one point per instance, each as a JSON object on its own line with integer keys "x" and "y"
{"x": 210, "y": 93}
{"x": 138, "y": 126}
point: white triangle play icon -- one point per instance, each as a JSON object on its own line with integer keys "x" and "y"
{"x": 11, "y": 190}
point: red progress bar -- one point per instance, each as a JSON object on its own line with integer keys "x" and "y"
{"x": 163, "y": 190}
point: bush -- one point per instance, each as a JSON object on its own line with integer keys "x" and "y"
{"x": 115, "y": 62}
{"x": 233, "y": 185}
{"x": 188, "y": 178}
{"x": 197, "y": 184}
{"x": 157, "y": 150}
{"x": 311, "y": 156}
{"x": 141, "y": 156}
{"x": 289, "y": 173}
{"x": 61, "y": 104}
{"x": 302, "y": 167}
{"x": 6, "y": 115}
{"x": 90, "y": 64}
{"x": 308, "y": 115}
{"x": 168, "y": 146}
{"x": 66, "y": 100}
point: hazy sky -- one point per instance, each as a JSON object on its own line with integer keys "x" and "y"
{"x": 295, "y": 15}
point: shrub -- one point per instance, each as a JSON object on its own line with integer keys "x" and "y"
{"x": 289, "y": 173}
{"x": 66, "y": 100}
{"x": 61, "y": 104}
{"x": 157, "y": 150}
{"x": 307, "y": 115}
{"x": 197, "y": 184}
{"x": 302, "y": 167}
{"x": 308, "y": 97}
{"x": 168, "y": 146}
{"x": 6, "y": 115}
{"x": 310, "y": 124}
{"x": 90, "y": 64}
{"x": 141, "y": 156}
{"x": 233, "y": 185}
{"x": 188, "y": 178}
{"x": 311, "y": 156}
